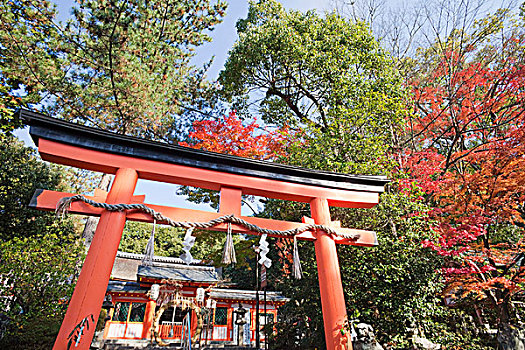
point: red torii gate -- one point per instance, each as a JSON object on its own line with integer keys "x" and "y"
{"x": 131, "y": 158}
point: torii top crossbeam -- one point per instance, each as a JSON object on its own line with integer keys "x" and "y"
{"x": 130, "y": 158}
{"x": 206, "y": 169}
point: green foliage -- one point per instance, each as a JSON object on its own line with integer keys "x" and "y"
{"x": 39, "y": 270}
{"x": 34, "y": 333}
{"x": 8, "y": 102}
{"x": 168, "y": 240}
{"x": 39, "y": 254}
{"x": 27, "y": 35}
{"x": 302, "y": 321}
{"x": 395, "y": 272}
{"x": 21, "y": 173}
{"x": 326, "y": 76}
{"x": 119, "y": 65}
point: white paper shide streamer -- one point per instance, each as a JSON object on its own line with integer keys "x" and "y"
{"x": 147, "y": 260}
{"x": 228, "y": 255}
{"x": 297, "y": 270}
{"x": 188, "y": 243}
{"x": 264, "y": 248}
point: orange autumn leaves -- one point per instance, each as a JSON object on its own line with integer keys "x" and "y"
{"x": 469, "y": 165}
{"x": 230, "y": 136}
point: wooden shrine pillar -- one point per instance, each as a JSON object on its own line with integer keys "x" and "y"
{"x": 149, "y": 315}
{"x": 330, "y": 286}
{"x": 93, "y": 280}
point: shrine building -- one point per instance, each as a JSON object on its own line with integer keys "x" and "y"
{"x": 133, "y": 306}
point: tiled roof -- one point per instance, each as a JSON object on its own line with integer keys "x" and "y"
{"x": 128, "y": 269}
{"x": 237, "y": 294}
{"x": 126, "y": 265}
{"x": 125, "y": 286}
{"x": 178, "y": 272}
{"x": 156, "y": 259}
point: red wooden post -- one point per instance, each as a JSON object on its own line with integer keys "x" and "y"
{"x": 93, "y": 280}
{"x": 331, "y": 289}
{"x": 149, "y": 314}
{"x": 230, "y": 201}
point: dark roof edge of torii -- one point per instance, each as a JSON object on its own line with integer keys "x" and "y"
{"x": 42, "y": 126}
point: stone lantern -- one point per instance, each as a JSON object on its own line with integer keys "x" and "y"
{"x": 240, "y": 321}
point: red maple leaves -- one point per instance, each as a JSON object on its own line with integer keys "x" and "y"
{"x": 469, "y": 163}
{"x": 229, "y": 135}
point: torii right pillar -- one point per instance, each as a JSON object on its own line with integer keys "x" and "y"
{"x": 330, "y": 284}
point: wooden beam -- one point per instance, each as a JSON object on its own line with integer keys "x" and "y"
{"x": 47, "y": 200}
{"x": 189, "y": 176}
{"x": 45, "y": 127}
{"x": 92, "y": 283}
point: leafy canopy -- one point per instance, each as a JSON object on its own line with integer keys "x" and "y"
{"x": 116, "y": 64}
{"x": 465, "y": 151}
{"x": 324, "y": 75}
{"x": 39, "y": 253}
{"x": 21, "y": 173}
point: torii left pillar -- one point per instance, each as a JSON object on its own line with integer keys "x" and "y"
{"x": 93, "y": 280}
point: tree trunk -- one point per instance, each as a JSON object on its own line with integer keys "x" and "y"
{"x": 509, "y": 337}
{"x": 92, "y": 221}
{"x": 504, "y": 313}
